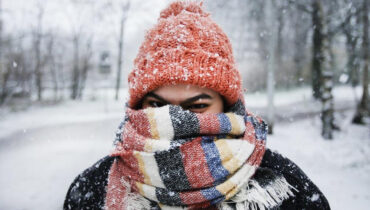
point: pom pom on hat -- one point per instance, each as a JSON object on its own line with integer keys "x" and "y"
{"x": 178, "y": 7}
{"x": 185, "y": 47}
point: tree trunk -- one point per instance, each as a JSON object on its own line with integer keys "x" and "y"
{"x": 52, "y": 66}
{"x": 76, "y": 69}
{"x": 2, "y": 71}
{"x": 299, "y": 56}
{"x": 318, "y": 48}
{"x": 38, "y": 67}
{"x": 363, "y": 108}
{"x": 327, "y": 114}
{"x": 352, "y": 64}
{"x": 85, "y": 69}
{"x": 125, "y": 9}
{"x": 4, "y": 82}
{"x": 38, "y": 73}
{"x": 279, "y": 46}
{"x": 120, "y": 50}
{"x": 271, "y": 65}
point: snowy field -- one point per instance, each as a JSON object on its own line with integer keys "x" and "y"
{"x": 44, "y": 148}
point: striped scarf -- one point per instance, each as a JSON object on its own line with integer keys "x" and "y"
{"x": 176, "y": 158}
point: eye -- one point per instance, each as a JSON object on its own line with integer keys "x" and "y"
{"x": 197, "y": 106}
{"x": 156, "y": 104}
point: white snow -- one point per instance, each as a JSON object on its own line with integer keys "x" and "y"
{"x": 43, "y": 149}
{"x": 340, "y": 167}
{"x": 67, "y": 112}
{"x": 314, "y": 197}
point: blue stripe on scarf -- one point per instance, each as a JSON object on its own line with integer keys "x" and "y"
{"x": 217, "y": 200}
{"x": 219, "y": 173}
{"x": 213, "y": 195}
{"x": 259, "y": 128}
{"x": 225, "y": 125}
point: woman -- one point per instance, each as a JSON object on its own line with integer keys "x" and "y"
{"x": 187, "y": 140}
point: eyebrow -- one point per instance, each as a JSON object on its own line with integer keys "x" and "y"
{"x": 196, "y": 98}
{"x": 186, "y": 102}
{"x": 151, "y": 94}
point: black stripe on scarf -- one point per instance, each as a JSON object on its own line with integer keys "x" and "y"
{"x": 168, "y": 197}
{"x": 184, "y": 124}
{"x": 173, "y": 175}
{"x": 238, "y": 108}
{"x": 259, "y": 127}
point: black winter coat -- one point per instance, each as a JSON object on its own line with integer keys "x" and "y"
{"x": 88, "y": 189}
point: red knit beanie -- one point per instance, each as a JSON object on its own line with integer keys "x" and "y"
{"x": 185, "y": 47}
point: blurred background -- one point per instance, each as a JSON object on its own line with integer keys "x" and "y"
{"x": 63, "y": 87}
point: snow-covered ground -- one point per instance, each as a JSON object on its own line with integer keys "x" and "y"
{"x": 43, "y": 149}
{"x": 340, "y": 167}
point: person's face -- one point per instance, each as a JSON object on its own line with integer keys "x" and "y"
{"x": 190, "y": 97}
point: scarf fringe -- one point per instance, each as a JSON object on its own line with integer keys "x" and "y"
{"x": 255, "y": 197}
{"x": 134, "y": 201}
{"x": 252, "y": 197}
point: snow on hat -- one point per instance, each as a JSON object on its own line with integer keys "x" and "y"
{"x": 185, "y": 47}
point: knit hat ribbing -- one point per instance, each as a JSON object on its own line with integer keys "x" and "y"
{"x": 185, "y": 47}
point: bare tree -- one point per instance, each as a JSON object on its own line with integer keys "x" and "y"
{"x": 51, "y": 60}
{"x": 275, "y": 29}
{"x": 300, "y": 34}
{"x": 317, "y": 48}
{"x": 14, "y": 74}
{"x": 76, "y": 66}
{"x": 82, "y": 54}
{"x": 352, "y": 33}
{"x": 82, "y": 44}
{"x": 37, "y": 36}
{"x": 321, "y": 39}
{"x": 24, "y": 74}
{"x": 3, "y": 74}
{"x": 125, "y": 9}
{"x": 85, "y": 66}
{"x": 363, "y": 108}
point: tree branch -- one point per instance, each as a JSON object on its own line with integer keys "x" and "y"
{"x": 342, "y": 24}
{"x": 301, "y": 7}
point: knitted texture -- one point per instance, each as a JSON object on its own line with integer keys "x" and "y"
{"x": 185, "y": 47}
{"x": 175, "y": 157}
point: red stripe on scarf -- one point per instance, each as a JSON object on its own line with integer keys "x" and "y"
{"x": 131, "y": 140}
{"x": 250, "y": 133}
{"x": 130, "y": 165}
{"x": 115, "y": 191}
{"x": 195, "y": 164}
{"x": 209, "y": 124}
{"x": 256, "y": 157}
{"x": 191, "y": 197}
{"x": 141, "y": 122}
